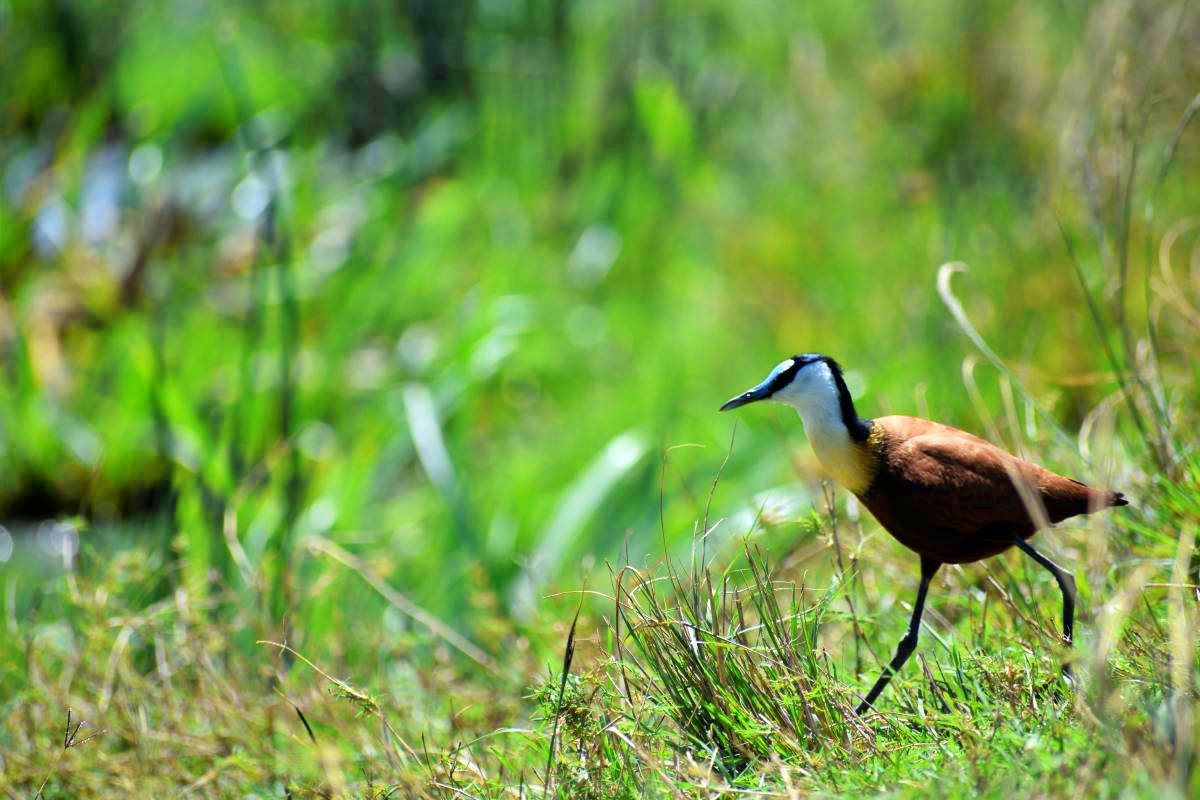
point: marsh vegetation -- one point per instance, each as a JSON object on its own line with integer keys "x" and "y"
{"x": 360, "y": 366}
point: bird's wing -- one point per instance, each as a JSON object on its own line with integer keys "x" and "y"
{"x": 961, "y": 481}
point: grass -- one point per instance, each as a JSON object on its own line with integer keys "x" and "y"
{"x": 358, "y": 425}
{"x": 722, "y": 678}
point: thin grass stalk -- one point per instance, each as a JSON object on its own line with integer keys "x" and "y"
{"x": 289, "y": 327}
{"x": 1124, "y": 234}
{"x": 945, "y": 273}
{"x": 1115, "y": 364}
{"x": 1185, "y": 120}
{"x": 273, "y": 234}
{"x": 831, "y": 509}
{"x": 568, "y": 657}
{"x": 163, "y": 435}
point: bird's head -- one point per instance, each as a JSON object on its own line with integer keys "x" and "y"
{"x": 808, "y": 380}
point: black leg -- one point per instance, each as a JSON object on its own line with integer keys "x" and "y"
{"x": 909, "y": 642}
{"x": 1066, "y": 584}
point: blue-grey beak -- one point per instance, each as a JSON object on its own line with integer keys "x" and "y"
{"x": 760, "y": 392}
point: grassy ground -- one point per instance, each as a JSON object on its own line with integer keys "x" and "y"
{"x": 738, "y": 678}
{"x": 360, "y": 368}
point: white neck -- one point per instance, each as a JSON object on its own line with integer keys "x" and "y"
{"x": 821, "y": 412}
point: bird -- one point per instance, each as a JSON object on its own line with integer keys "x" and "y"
{"x": 946, "y": 494}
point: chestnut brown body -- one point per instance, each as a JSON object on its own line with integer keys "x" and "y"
{"x": 953, "y": 498}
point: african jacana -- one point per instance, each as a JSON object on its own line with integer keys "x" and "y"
{"x": 949, "y": 496}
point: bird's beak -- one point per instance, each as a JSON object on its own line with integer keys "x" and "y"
{"x": 760, "y": 392}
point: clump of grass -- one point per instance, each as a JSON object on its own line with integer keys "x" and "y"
{"x": 594, "y": 757}
{"x": 734, "y": 663}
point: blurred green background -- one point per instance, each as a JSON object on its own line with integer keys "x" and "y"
{"x": 442, "y": 283}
